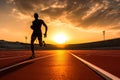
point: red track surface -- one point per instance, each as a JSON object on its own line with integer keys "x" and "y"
{"x": 108, "y": 60}
{"x": 62, "y": 66}
{"x": 11, "y": 57}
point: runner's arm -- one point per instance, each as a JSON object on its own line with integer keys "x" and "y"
{"x": 46, "y": 29}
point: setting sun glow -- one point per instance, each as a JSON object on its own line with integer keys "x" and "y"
{"x": 60, "y": 38}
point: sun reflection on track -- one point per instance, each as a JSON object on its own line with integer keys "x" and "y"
{"x": 60, "y": 60}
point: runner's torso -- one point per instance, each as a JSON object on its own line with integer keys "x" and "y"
{"x": 37, "y": 26}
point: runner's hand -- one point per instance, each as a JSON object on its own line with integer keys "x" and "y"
{"x": 45, "y": 35}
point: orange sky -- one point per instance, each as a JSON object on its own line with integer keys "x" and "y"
{"x": 80, "y": 25}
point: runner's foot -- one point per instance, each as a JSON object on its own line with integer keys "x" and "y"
{"x": 33, "y": 56}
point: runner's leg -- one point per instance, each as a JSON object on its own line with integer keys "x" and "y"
{"x": 32, "y": 44}
{"x": 40, "y": 41}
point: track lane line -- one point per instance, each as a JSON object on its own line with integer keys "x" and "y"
{"x": 106, "y": 75}
{"x": 13, "y": 57}
{"x": 24, "y": 62}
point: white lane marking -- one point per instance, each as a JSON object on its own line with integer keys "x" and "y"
{"x": 24, "y": 62}
{"x": 13, "y": 57}
{"x": 103, "y": 73}
{"x": 16, "y": 57}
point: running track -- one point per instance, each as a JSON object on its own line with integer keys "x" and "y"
{"x": 60, "y": 65}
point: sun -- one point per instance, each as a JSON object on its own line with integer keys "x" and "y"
{"x": 60, "y": 38}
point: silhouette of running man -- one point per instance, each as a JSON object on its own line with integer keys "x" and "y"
{"x": 37, "y": 33}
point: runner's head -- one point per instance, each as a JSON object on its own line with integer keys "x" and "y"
{"x": 36, "y": 15}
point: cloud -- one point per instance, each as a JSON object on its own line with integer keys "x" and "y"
{"x": 81, "y": 13}
{"x": 17, "y": 14}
